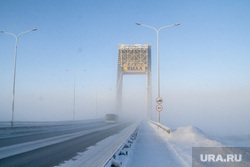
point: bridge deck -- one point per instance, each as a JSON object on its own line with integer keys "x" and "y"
{"x": 150, "y": 150}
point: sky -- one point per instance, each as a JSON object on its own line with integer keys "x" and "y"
{"x": 204, "y": 62}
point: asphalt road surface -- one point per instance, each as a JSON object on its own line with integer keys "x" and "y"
{"x": 30, "y": 133}
{"x": 57, "y": 153}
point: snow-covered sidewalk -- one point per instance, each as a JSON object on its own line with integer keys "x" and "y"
{"x": 156, "y": 147}
{"x": 151, "y": 150}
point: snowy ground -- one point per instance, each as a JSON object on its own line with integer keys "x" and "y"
{"x": 152, "y": 147}
{"x": 236, "y": 140}
{"x": 150, "y": 150}
{"x": 183, "y": 139}
{"x": 155, "y": 147}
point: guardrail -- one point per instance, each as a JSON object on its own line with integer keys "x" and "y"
{"x": 114, "y": 160}
{"x": 168, "y": 130}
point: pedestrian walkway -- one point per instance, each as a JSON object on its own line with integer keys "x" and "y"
{"x": 150, "y": 150}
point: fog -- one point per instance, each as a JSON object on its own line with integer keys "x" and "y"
{"x": 204, "y": 68}
{"x": 216, "y": 111}
{"x": 134, "y": 97}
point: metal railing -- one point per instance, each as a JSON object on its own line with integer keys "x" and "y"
{"x": 114, "y": 160}
{"x": 168, "y": 130}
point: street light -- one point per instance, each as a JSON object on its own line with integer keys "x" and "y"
{"x": 158, "y": 71}
{"x": 110, "y": 106}
{"x": 14, "y": 81}
{"x": 74, "y": 102}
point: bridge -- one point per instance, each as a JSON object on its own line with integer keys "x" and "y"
{"x": 101, "y": 143}
{"x": 82, "y": 143}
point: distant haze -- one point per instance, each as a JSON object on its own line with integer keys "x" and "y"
{"x": 204, "y": 62}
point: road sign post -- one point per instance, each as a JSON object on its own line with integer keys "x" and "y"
{"x": 159, "y": 108}
{"x": 159, "y": 100}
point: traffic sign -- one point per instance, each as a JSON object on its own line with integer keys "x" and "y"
{"x": 159, "y": 108}
{"x": 159, "y": 100}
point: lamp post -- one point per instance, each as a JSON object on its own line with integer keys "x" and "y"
{"x": 74, "y": 99}
{"x": 158, "y": 68}
{"x": 14, "y": 80}
{"x": 110, "y": 106}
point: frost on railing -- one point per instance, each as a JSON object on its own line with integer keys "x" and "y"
{"x": 168, "y": 130}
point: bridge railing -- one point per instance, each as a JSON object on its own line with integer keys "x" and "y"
{"x": 123, "y": 147}
{"x": 167, "y": 129}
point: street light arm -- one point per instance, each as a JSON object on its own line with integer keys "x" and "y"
{"x": 26, "y": 32}
{"x": 8, "y": 33}
{"x": 75, "y": 71}
{"x": 146, "y": 26}
{"x": 16, "y": 36}
{"x": 168, "y": 26}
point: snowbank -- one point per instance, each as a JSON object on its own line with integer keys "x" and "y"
{"x": 236, "y": 141}
{"x": 181, "y": 141}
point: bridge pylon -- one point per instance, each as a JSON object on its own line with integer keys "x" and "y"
{"x": 134, "y": 59}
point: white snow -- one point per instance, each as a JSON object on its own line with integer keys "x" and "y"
{"x": 150, "y": 150}
{"x": 155, "y": 147}
{"x": 236, "y": 141}
{"x": 183, "y": 139}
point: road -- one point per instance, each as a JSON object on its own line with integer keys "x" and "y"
{"x": 54, "y": 154}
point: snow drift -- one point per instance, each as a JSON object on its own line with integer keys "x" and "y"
{"x": 181, "y": 141}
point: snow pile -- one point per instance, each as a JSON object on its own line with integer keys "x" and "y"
{"x": 192, "y": 136}
{"x": 181, "y": 141}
